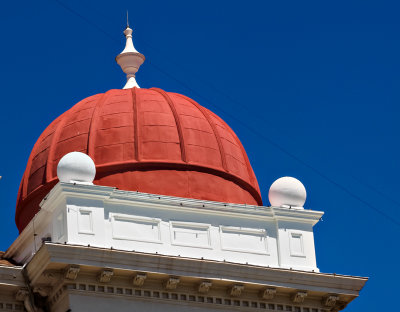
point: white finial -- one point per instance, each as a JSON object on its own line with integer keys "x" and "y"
{"x": 130, "y": 59}
{"x": 287, "y": 192}
{"x": 76, "y": 167}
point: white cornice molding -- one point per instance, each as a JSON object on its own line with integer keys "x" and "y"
{"x": 202, "y": 269}
{"x": 27, "y": 237}
{"x": 11, "y": 276}
{"x": 62, "y": 190}
{"x": 111, "y": 194}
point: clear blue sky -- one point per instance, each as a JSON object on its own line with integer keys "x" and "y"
{"x": 320, "y": 80}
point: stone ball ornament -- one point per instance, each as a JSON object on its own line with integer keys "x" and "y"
{"x": 287, "y": 192}
{"x": 76, "y": 167}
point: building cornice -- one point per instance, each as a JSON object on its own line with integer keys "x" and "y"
{"x": 193, "y": 268}
{"x": 111, "y": 194}
{"x": 11, "y": 276}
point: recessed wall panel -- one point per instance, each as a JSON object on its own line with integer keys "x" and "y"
{"x": 190, "y": 234}
{"x": 135, "y": 228}
{"x": 244, "y": 240}
{"x": 85, "y": 221}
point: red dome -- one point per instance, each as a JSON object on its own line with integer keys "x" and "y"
{"x": 145, "y": 140}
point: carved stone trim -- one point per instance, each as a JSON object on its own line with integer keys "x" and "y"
{"x": 172, "y": 283}
{"x": 57, "y": 295}
{"x": 331, "y": 300}
{"x": 268, "y": 293}
{"x": 51, "y": 277}
{"x": 204, "y": 287}
{"x": 72, "y": 271}
{"x": 139, "y": 279}
{"x": 236, "y": 290}
{"x": 299, "y": 296}
{"x": 21, "y": 294}
{"x": 189, "y": 296}
{"x": 105, "y": 275}
{"x": 42, "y": 290}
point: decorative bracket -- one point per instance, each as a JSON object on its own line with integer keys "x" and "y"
{"x": 172, "y": 283}
{"x": 236, "y": 290}
{"x": 52, "y": 277}
{"x": 42, "y": 291}
{"x": 204, "y": 287}
{"x": 139, "y": 279}
{"x": 299, "y": 296}
{"x": 71, "y": 272}
{"x": 21, "y": 294}
{"x": 269, "y": 293}
{"x": 331, "y": 300}
{"x": 105, "y": 276}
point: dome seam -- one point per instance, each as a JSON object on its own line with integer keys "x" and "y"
{"x": 53, "y": 144}
{"x": 135, "y": 124}
{"x": 214, "y": 129}
{"x": 28, "y": 170}
{"x": 244, "y": 154}
{"x": 90, "y": 149}
{"x": 177, "y": 121}
{"x": 25, "y": 177}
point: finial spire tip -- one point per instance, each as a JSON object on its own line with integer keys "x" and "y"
{"x": 127, "y": 19}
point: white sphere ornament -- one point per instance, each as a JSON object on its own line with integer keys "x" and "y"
{"x": 76, "y": 167}
{"x": 287, "y": 192}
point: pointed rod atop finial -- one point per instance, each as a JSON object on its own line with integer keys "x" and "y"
{"x": 127, "y": 19}
{"x": 130, "y": 59}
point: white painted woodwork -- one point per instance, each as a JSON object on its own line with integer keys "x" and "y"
{"x": 106, "y": 217}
